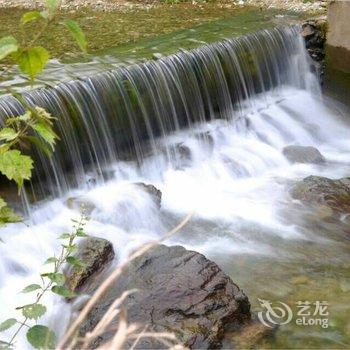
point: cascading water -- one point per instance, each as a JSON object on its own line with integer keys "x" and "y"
{"x": 207, "y": 127}
{"x": 100, "y": 117}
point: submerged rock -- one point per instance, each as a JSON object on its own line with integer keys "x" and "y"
{"x": 80, "y": 204}
{"x": 303, "y": 154}
{"x": 178, "y": 291}
{"x": 249, "y": 336}
{"x": 153, "y": 191}
{"x": 317, "y": 190}
{"x": 95, "y": 253}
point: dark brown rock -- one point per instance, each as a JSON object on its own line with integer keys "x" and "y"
{"x": 96, "y": 254}
{"x": 314, "y": 33}
{"x": 179, "y": 291}
{"x": 317, "y": 190}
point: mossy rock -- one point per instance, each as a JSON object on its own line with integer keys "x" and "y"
{"x": 317, "y": 190}
{"x": 96, "y": 254}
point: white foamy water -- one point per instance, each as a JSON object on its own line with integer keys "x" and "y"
{"x": 230, "y": 171}
{"x": 234, "y": 177}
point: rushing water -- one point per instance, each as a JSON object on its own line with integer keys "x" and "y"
{"x": 207, "y": 128}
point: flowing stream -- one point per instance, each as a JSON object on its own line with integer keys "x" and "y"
{"x": 207, "y": 127}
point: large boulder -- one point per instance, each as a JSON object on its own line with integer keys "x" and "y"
{"x": 321, "y": 191}
{"x": 178, "y": 291}
{"x": 96, "y": 254}
{"x": 303, "y": 154}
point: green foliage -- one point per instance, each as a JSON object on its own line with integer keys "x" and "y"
{"x": 33, "y": 311}
{"x": 62, "y": 291}
{"x": 30, "y": 16}
{"x": 34, "y": 127}
{"x": 55, "y": 277}
{"x": 8, "y": 134}
{"x": 31, "y": 288}
{"x": 51, "y": 260}
{"x": 7, "y": 215}
{"x": 77, "y": 34}
{"x": 32, "y": 61}
{"x": 15, "y": 166}
{"x": 41, "y": 337}
{"x": 72, "y": 260}
{"x": 8, "y": 45}
{"x": 7, "y": 324}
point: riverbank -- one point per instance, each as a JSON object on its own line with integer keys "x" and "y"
{"x": 117, "y": 5}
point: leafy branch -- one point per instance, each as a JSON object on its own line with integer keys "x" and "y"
{"x": 40, "y": 336}
{"x": 35, "y": 126}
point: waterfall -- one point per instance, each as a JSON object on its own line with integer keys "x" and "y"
{"x": 207, "y": 127}
{"x": 121, "y": 113}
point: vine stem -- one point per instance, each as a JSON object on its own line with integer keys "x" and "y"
{"x": 61, "y": 260}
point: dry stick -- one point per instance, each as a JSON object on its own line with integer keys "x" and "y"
{"x": 138, "y": 338}
{"x": 103, "y": 287}
{"x": 106, "y": 319}
{"x": 122, "y": 332}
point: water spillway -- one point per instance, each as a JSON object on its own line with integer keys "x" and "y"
{"x": 207, "y": 127}
{"x": 101, "y": 118}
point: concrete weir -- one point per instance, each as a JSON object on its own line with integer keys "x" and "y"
{"x": 338, "y": 42}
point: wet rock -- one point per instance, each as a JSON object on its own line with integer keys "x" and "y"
{"x": 182, "y": 155}
{"x": 80, "y": 204}
{"x": 249, "y": 336}
{"x": 303, "y": 154}
{"x": 96, "y": 254}
{"x": 179, "y": 291}
{"x": 314, "y": 33}
{"x": 152, "y": 191}
{"x": 206, "y": 140}
{"x": 317, "y": 190}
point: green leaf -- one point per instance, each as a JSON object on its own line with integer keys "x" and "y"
{"x": 8, "y": 134}
{"x": 77, "y": 34}
{"x": 51, "y": 5}
{"x": 21, "y": 118}
{"x": 32, "y": 61}
{"x": 74, "y": 261}
{"x": 80, "y": 233}
{"x": 55, "y": 277}
{"x": 64, "y": 236}
{"x": 62, "y": 291}
{"x": 46, "y": 132}
{"x": 4, "y": 147}
{"x": 41, "y": 337}
{"x": 40, "y": 144}
{"x": 3, "y": 204}
{"x": 70, "y": 248}
{"x": 30, "y": 16}
{"x": 51, "y": 260}
{"x": 15, "y": 166}
{"x": 7, "y": 324}
{"x": 8, "y": 45}
{"x": 33, "y": 311}
{"x": 7, "y": 215}
{"x": 31, "y": 288}
{"x": 42, "y": 115}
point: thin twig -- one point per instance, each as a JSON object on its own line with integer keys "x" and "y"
{"x": 64, "y": 343}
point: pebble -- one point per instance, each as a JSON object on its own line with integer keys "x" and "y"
{"x": 107, "y": 5}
